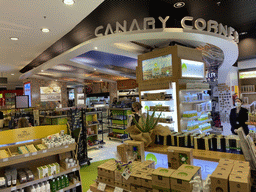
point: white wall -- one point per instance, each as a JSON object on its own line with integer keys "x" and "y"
{"x": 246, "y": 64}
{"x": 228, "y": 76}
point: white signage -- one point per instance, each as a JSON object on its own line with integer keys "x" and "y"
{"x": 200, "y": 24}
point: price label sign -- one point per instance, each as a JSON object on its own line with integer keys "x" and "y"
{"x": 74, "y": 169}
{"x": 27, "y": 155}
{"x": 101, "y": 186}
{"x": 118, "y": 189}
{"x": 35, "y": 153}
{"x": 61, "y": 190}
{"x": 6, "y": 159}
{"x": 66, "y": 146}
{"x": 50, "y": 177}
{"x": 44, "y": 151}
{"x": 13, "y": 188}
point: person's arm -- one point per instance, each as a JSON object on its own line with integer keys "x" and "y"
{"x": 231, "y": 120}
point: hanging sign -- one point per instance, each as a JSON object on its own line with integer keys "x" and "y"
{"x": 50, "y": 94}
{"x": 200, "y": 24}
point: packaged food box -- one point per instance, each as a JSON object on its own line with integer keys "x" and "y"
{"x": 195, "y": 170}
{"x": 121, "y": 151}
{"x": 118, "y": 176}
{"x": 219, "y": 181}
{"x": 161, "y": 178}
{"x": 40, "y": 172}
{"x": 136, "y": 147}
{"x": 51, "y": 169}
{"x": 57, "y": 167}
{"x": 239, "y": 183}
{"x": 136, "y": 178}
{"x": 149, "y": 164}
{"x": 146, "y": 180}
{"x": 126, "y": 186}
{"x": 178, "y": 156}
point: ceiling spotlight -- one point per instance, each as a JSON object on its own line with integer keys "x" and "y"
{"x": 68, "y": 2}
{"x": 12, "y": 74}
{"x": 243, "y": 33}
{"x": 101, "y": 80}
{"x": 14, "y": 38}
{"x": 56, "y": 80}
{"x": 96, "y": 48}
{"x": 218, "y": 3}
{"x": 94, "y": 69}
{"x": 45, "y": 30}
{"x": 179, "y": 5}
{"x": 42, "y": 70}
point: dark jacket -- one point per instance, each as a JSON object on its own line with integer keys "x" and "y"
{"x": 239, "y": 121}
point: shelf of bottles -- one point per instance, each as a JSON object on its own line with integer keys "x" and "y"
{"x": 165, "y": 100}
{"x": 195, "y": 107}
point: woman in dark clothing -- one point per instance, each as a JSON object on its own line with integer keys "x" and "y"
{"x": 238, "y": 117}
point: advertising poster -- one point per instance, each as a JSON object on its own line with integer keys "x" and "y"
{"x": 27, "y": 91}
{"x": 50, "y": 94}
{"x": 159, "y": 67}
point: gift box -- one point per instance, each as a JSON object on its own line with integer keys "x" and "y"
{"x": 136, "y": 147}
{"x": 178, "y": 156}
{"x": 161, "y": 178}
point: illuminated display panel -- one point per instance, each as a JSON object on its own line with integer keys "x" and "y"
{"x": 247, "y": 75}
{"x": 156, "y": 68}
{"x": 193, "y": 69}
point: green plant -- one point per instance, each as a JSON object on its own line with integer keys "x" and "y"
{"x": 149, "y": 123}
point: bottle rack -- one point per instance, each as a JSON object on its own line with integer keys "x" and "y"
{"x": 194, "y": 110}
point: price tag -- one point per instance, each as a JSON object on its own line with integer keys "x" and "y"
{"x": 66, "y": 146}
{"x": 117, "y": 189}
{"x": 13, "y": 188}
{"x": 51, "y": 177}
{"x": 74, "y": 169}
{"x": 27, "y": 155}
{"x": 35, "y": 153}
{"x": 6, "y": 159}
{"x": 101, "y": 186}
{"x": 44, "y": 151}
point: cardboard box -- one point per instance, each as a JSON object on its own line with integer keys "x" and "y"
{"x": 146, "y": 180}
{"x": 136, "y": 178}
{"x": 241, "y": 167}
{"x": 118, "y": 176}
{"x": 136, "y": 188}
{"x": 128, "y": 181}
{"x": 241, "y": 172}
{"x": 106, "y": 180}
{"x": 178, "y": 156}
{"x": 110, "y": 171}
{"x": 195, "y": 170}
{"x": 121, "y": 151}
{"x": 180, "y": 181}
{"x": 117, "y": 184}
{"x": 239, "y": 183}
{"x": 145, "y": 190}
{"x": 110, "y": 162}
{"x": 161, "y": 177}
{"x": 102, "y": 170}
{"x": 227, "y": 169}
{"x": 145, "y": 170}
{"x": 161, "y": 190}
{"x": 126, "y": 186}
{"x": 226, "y": 161}
{"x": 219, "y": 181}
{"x": 137, "y": 147}
{"x": 149, "y": 164}
{"x": 244, "y": 163}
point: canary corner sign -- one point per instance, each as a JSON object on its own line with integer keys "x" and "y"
{"x": 210, "y": 27}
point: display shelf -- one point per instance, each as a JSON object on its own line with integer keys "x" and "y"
{"x": 199, "y": 154}
{"x": 158, "y": 100}
{"x": 37, "y": 180}
{"x": 249, "y": 93}
{"x": 189, "y": 118}
{"x": 120, "y": 109}
{"x": 39, "y": 154}
{"x": 199, "y": 101}
{"x": 113, "y": 127}
{"x": 71, "y": 186}
{"x": 249, "y": 123}
{"x": 118, "y": 139}
{"x": 164, "y": 111}
{"x": 52, "y": 117}
{"x": 194, "y": 90}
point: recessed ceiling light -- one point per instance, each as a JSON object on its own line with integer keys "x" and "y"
{"x": 42, "y": 70}
{"x": 68, "y": 2}
{"x": 45, "y": 30}
{"x": 243, "y": 33}
{"x": 12, "y": 74}
{"x": 179, "y": 4}
{"x": 56, "y": 80}
{"x": 94, "y": 69}
{"x": 101, "y": 80}
{"x": 96, "y": 48}
{"x": 14, "y": 38}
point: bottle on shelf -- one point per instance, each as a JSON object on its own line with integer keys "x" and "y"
{"x": 66, "y": 180}
{"x": 47, "y": 187}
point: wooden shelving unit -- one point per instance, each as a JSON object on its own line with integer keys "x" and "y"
{"x": 38, "y": 159}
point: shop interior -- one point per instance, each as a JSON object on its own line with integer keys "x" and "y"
{"x": 147, "y": 103}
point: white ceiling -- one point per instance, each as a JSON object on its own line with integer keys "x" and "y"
{"x": 24, "y": 19}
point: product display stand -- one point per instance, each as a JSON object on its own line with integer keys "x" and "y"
{"x": 53, "y": 117}
{"x": 118, "y": 122}
{"x": 92, "y": 127}
{"x": 37, "y": 159}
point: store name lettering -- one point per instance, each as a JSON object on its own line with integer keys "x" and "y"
{"x": 200, "y": 24}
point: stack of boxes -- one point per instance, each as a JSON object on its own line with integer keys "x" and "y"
{"x": 131, "y": 147}
{"x": 178, "y": 156}
{"x": 231, "y": 175}
{"x": 139, "y": 180}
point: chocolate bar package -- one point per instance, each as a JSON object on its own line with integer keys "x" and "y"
{"x": 174, "y": 138}
{"x": 181, "y": 140}
{"x": 192, "y": 139}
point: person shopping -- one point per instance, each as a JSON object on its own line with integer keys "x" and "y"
{"x": 238, "y": 117}
{"x": 136, "y": 113}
